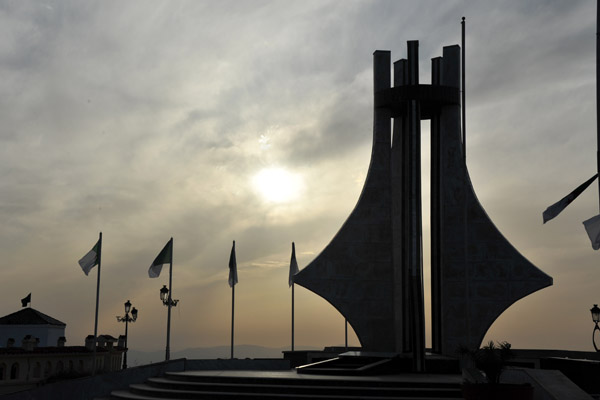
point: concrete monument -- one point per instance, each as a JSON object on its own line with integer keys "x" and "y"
{"x": 372, "y": 270}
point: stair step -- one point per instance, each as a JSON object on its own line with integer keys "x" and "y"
{"x": 253, "y": 392}
{"x": 153, "y": 393}
{"x": 308, "y": 380}
{"x": 348, "y": 389}
{"x": 126, "y": 395}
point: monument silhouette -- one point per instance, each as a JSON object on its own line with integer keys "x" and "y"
{"x": 372, "y": 270}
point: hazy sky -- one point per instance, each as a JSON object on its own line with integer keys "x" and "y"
{"x": 151, "y": 119}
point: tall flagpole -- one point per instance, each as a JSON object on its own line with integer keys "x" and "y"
{"x": 598, "y": 92}
{"x": 97, "y": 301}
{"x": 232, "y": 281}
{"x": 168, "y": 349}
{"x": 464, "y": 108}
{"x": 293, "y": 272}
{"x": 232, "y": 314}
{"x": 292, "y": 316}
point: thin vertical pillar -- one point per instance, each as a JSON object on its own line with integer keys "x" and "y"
{"x": 407, "y": 324}
{"x": 401, "y": 325}
{"x": 413, "y": 231}
{"x": 435, "y": 203}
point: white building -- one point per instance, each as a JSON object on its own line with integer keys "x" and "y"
{"x": 29, "y": 321}
{"x": 32, "y": 350}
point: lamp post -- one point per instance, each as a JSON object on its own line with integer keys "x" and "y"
{"x": 596, "y": 318}
{"x": 127, "y": 319}
{"x": 167, "y": 301}
{"x": 164, "y": 296}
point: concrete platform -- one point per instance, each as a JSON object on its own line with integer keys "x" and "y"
{"x": 291, "y": 374}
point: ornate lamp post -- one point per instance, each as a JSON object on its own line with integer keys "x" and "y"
{"x": 166, "y": 299}
{"x": 127, "y": 319}
{"x": 596, "y": 318}
{"x": 164, "y": 296}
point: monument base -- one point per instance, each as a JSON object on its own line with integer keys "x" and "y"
{"x": 362, "y": 363}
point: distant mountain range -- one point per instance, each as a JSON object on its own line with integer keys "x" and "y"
{"x": 135, "y": 357}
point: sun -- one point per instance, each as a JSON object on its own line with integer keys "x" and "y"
{"x": 277, "y": 185}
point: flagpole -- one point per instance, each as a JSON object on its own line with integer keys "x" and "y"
{"x": 232, "y": 314}
{"x": 292, "y": 316}
{"x": 232, "y": 281}
{"x": 97, "y": 301}
{"x": 346, "y": 334}
{"x": 464, "y": 108}
{"x": 598, "y": 92}
{"x": 168, "y": 349}
{"x": 293, "y": 271}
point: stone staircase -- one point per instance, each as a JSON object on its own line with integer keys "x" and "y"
{"x": 289, "y": 385}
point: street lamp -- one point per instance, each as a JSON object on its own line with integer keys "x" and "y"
{"x": 127, "y": 319}
{"x": 596, "y": 318}
{"x": 165, "y": 298}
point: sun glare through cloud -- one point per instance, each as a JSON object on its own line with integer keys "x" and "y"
{"x": 277, "y": 185}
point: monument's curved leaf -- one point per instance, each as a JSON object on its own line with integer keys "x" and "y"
{"x": 354, "y": 272}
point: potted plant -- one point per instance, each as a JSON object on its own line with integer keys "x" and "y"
{"x": 492, "y": 359}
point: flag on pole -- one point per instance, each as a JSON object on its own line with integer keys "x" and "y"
{"x": 90, "y": 260}
{"x": 293, "y": 266}
{"x": 164, "y": 257}
{"x": 592, "y": 227}
{"x": 26, "y": 300}
{"x": 557, "y": 207}
{"x": 233, "y": 277}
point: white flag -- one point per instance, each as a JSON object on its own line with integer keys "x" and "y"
{"x": 592, "y": 227}
{"x": 293, "y": 265}
{"x": 233, "y": 278}
{"x": 90, "y": 260}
